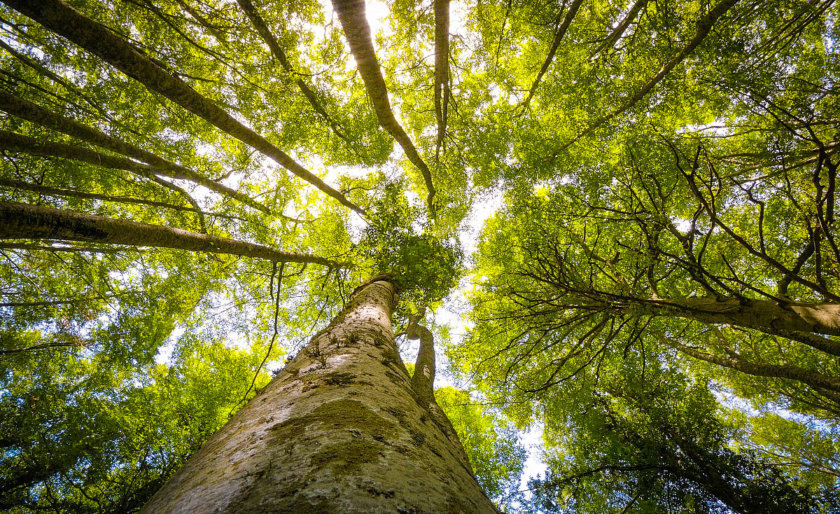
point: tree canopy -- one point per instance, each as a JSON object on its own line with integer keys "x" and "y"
{"x": 190, "y": 189}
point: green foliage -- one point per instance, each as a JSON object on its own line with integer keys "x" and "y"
{"x": 425, "y": 266}
{"x": 80, "y": 435}
{"x": 492, "y": 444}
{"x": 663, "y": 448}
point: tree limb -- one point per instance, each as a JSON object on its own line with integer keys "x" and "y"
{"x": 704, "y": 26}
{"x": 23, "y": 221}
{"x": 351, "y": 14}
{"x": 29, "y": 111}
{"x": 555, "y": 44}
{"x": 277, "y": 51}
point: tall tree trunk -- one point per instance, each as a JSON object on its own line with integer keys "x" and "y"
{"x": 339, "y": 429}
{"x": 24, "y": 221}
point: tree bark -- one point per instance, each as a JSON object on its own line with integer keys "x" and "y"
{"x": 423, "y": 382}
{"x": 818, "y": 381}
{"x": 798, "y": 321}
{"x": 339, "y": 429}
{"x": 24, "y": 221}
{"x": 441, "y": 9}
{"x": 54, "y": 191}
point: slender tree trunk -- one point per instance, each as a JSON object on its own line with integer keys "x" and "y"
{"x": 617, "y": 32}
{"x": 441, "y": 8}
{"x": 29, "y": 111}
{"x": 351, "y": 14}
{"x": 555, "y": 44}
{"x": 339, "y": 429}
{"x": 24, "y": 221}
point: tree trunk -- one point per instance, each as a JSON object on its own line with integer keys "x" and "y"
{"x": 351, "y": 14}
{"x": 24, "y": 221}
{"x": 798, "y": 321}
{"x": 34, "y": 113}
{"x": 339, "y": 429}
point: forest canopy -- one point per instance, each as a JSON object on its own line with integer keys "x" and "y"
{"x": 630, "y": 206}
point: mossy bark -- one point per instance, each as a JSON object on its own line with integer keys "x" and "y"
{"x": 339, "y": 429}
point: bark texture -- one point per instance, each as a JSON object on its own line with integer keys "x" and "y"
{"x": 339, "y": 429}
{"x": 423, "y": 380}
{"x": 423, "y": 383}
{"x": 798, "y": 321}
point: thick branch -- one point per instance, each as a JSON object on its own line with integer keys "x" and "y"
{"x": 423, "y": 380}
{"x": 351, "y": 13}
{"x": 29, "y": 111}
{"x": 53, "y": 191}
{"x": 797, "y": 321}
{"x": 23, "y": 221}
{"x": 38, "y": 347}
{"x": 66, "y": 84}
{"x": 97, "y": 39}
{"x": 34, "y": 247}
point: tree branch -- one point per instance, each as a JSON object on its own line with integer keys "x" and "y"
{"x": 704, "y": 26}
{"x": 555, "y": 44}
{"x": 23, "y": 221}
{"x": 351, "y": 14}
